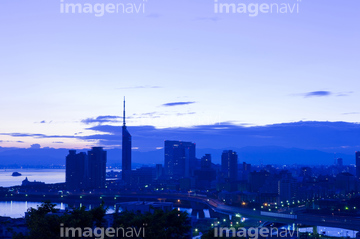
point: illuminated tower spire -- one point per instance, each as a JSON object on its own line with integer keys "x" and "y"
{"x": 124, "y": 113}
{"x": 126, "y": 151}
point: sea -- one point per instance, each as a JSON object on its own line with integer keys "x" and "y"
{"x": 43, "y": 175}
{"x": 17, "y": 209}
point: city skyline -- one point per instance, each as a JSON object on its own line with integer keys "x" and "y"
{"x": 313, "y": 140}
{"x": 238, "y": 115}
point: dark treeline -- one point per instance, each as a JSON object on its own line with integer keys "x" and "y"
{"x": 47, "y": 222}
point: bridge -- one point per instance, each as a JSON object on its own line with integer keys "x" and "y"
{"x": 216, "y": 207}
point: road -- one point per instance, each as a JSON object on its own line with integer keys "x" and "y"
{"x": 344, "y": 222}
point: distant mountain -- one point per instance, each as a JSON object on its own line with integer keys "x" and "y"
{"x": 253, "y": 155}
{"x": 32, "y": 157}
{"x": 309, "y": 142}
{"x": 280, "y": 155}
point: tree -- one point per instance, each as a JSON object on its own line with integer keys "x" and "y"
{"x": 209, "y": 234}
{"x": 44, "y": 223}
{"x": 159, "y": 224}
{"x": 41, "y": 224}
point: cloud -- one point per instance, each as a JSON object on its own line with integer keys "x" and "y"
{"x": 320, "y": 93}
{"x": 36, "y": 135}
{"x": 43, "y": 122}
{"x": 157, "y": 115}
{"x": 116, "y": 119}
{"x": 35, "y": 146}
{"x": 323, "y": 93}
{"x": 58, "y": 142}
{"x": 179, "y": 103}
{"x": 326, "y": 136}
{"x": 102, "y": 119}
{"x": 146, "y": 115}
{"x": 10, "y": 141}
{"x": 188, "y": 113}
{"x": 140, "y": 87}
{"x": 344, "y": 93}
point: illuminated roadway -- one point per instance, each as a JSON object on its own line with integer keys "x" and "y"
{"x": 344, "y": 222}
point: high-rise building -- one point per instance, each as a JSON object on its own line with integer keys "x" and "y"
{"x": 287, "y": 189}
{"x": 357, "y": 155}
{"x": 143, "y": 176}
{"x": 126, "y": 151}
{"x": 76, "y": 170}
{"x": 205, "y": 175}
{"x": 96, "y": 168}
{"x": 245, "y": 170}
{"x": 258, "y": 180}
{"x": 159, "y": 171}
{"x": 229, "y": 165}
{"x": 345, "y": 182}
{"x": 178, "y": 158}
{"x": 340, "y": 162}
{"x": 206, "y": 161}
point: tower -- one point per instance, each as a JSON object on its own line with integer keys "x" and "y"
{"x": 126, "y": 150}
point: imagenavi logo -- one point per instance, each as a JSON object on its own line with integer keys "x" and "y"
{"x": 254, "y": 9}
{"x": 255, "y": 232}
{"x": 99, "y": 9}
{"x": 101, "y": 232}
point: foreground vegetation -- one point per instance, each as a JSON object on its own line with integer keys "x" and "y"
{"x": 46, "y": 222}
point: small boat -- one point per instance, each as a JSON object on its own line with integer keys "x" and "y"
{"x": 16, "y": 174}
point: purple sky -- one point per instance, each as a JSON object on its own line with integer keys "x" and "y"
{"x": 179, "y": 64}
